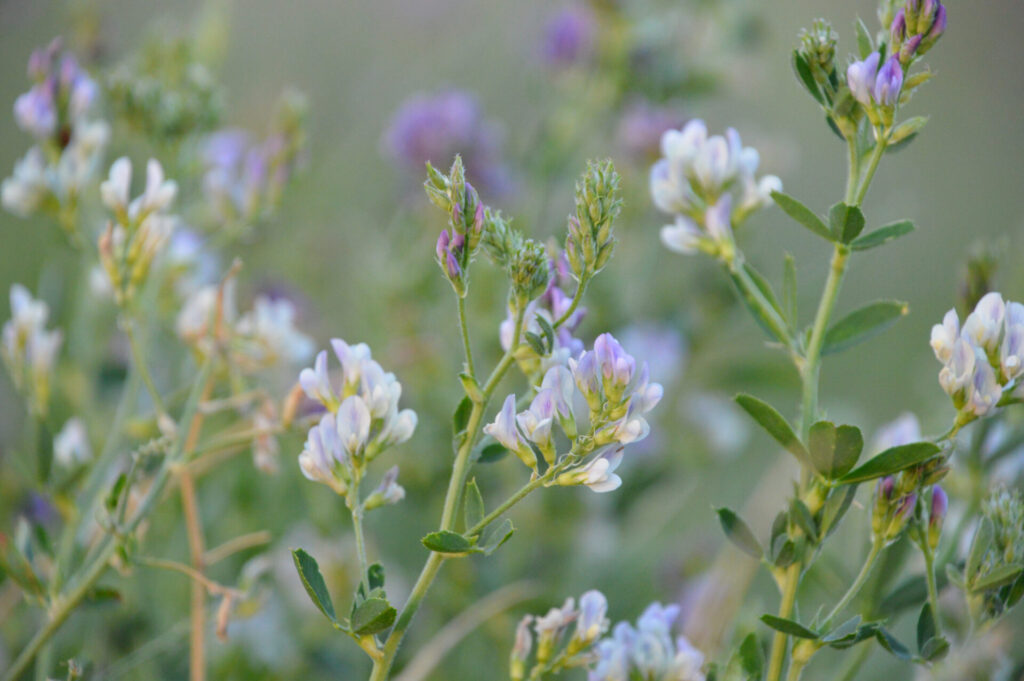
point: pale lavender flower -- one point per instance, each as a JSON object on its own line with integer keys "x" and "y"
{"x": 648, "y": 651}
{"x": 591, "y": 622}
{"x": 958, "y": 373}
{"x": 25, "y": 190}
{"x": 71, "y": 445}
{"x": 353, "y": 424}
{"x": 1011, "y": 354}
{"x": 569, "y": 36}
{"x": 599, "y": 474}
{"x": 684, "y": 236}
{"x": 888, "y": 82}
{"x": 937, "y": 514}
{"x": 36, "y": 111}
{"x": 984, "y": 326}
{"x": 985, "y": 390}
{"x": 615, "y": 365}
{"x": 388, "y": 491}
{"x": 505, "y": 431}
{"x": 436, "y": 127}
{"x": 944, "y": 336}
{"x": 861, "y": 77}
{"x": 323, "y": 457}
{"x": 536, "y": 422}
{"x": 270, "y": 331}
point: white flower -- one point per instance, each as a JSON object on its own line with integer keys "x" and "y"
{"x": 71, "y": 446}
{"x": 959, "y": 370}
{"x": 387, "y": 492}
{"x": 271, "y": 324}
{"x": 1011, "y": 354}
{"x": 944, "y": 335}
{"x": 682, "y": 237}
{"x": 984, "y": 326}
{"x": 27, "y": 188}
{"x": 316, "y": 382}
{"x": 985, "y": 390}
{"x": 114, "y": 191}
{"x": 599, "y": 475}
{"x": 322, "y": 454}
{"x": 353, "y": 422}
{"x": 592, "y": 621}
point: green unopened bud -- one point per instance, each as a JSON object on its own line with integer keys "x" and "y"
{"x": 818, "y": 48}
{"x": 456, "y": 196}
{"x": 590, "y": 238}
{"x": 500, "y": 241}
{"x": 530, "y": 272}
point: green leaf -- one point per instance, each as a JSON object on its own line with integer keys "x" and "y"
{"x": 789, "y": 291}
{"x": 925, "y": 627}
{"x": 846, "y": 222}
{"x": 460, "y": 419}
{"x": 473, "y": 505}
{"x": 776, "y": 425}
{"x": 903, "y": 133}
{"x": 372, "y": 616}
{"x": 890, "y": 643}
{"x": 447, "y": 542}
{"x": 802, "y": 518}
{"x": 892, "y": 460}
{"x": 738, "y": 532}
{"x": 496, "y": 535}
{"x": 979, "y": 547}
{"x": 535, "y": 342}
{"x": 749, "y": 298}
{"x": 847, "y": 629}
{"x": 375, "y": 576}
{"x": 882, "y": 235}
{"x": 865, "y": 46}
{"x": 752, "y": 657}
{"x": 313, "y": 581}
{"x": 788, "y": 627}
{"x": 547, "y": 329}
{"x": 862, "y": 324}
{"x": 836, "y": 506}
{"x": 472, "y": 388}
{"x": 999, "y": 576}
{"x": 803, "y": 73}
{"x": 935, "y": 649}
{"x": 490, "y": 452}
{"x": 785, "y": 555}
{"x": 802, "y": 214}
{"x": 1016, "y": 592}
{"x": 834, "y": 451}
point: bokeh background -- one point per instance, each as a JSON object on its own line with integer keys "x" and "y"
{"x": 353, "y": 240}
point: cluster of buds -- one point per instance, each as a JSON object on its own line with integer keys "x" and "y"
{"x": 915, "y": 28}
{"x": 617, "y": 396}
{"x": 362, "y": 419}
{"x": 997, "y": 549}
{"x": 590, "y": 242}
{"x": 261, "y": 338}
{"x": 896, "y": 507}
{"x": 29, "y": 350}
{"x": 456, "y": 245}
{"x": 140, "y": 229}
{"x": 709, "y": 184}
{"x": 647, "y": 651}
{"x": 166, "y": 92}
{"x": 818, "y": 50}
{"x": 983, "y": 360}
{"x": 243, "y": 179}
{"x": 588, "y": 623}
{"x": 57, "y": 112}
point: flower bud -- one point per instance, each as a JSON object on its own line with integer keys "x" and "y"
{"x": 388, "y": 492}
{"x": 818, "y": 48}
{"x": 888, "y": 83}
{"x": 452, "y": 257}
{"x": 591, "y": 622}
{"x": 530, "y": 272}
{"x": 521, "y": 649}
{"x": 589, "y": 243}
{"x": 936, "y": 515}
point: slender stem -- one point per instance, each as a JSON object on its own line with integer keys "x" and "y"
{"x": 233, "y": 546}
{"x": 796, "y": 669}
{"x": 869, "y": 172}
{"x": 865, "y": 572}
{"x": 138, "y": 357}
{"x": 382, "y": 665}
{"x": 355, "y": 506}
{"x": 812, "y": 358}
{"x": 465, "y": 335}
{"x": 581, "y": 288}
{"x": 211, "y": 586}
{"x": 853, "y": 171}
{"x": 778, "y": 653}
{"x": 510, "y": 502}
{"x": 933, "y": 592}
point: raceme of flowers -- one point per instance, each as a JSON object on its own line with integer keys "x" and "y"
{"x": 362, "y": 419}
{"x": 709, "y": 184}
{"x": 58, "y": 113}
{"x": 984, "y": 358}
{"x": 28, "y": 349}
{"x": 617, "y": 393}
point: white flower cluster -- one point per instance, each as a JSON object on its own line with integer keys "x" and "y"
{"x": 28, "y": 349}
{"x": 647, "y": 651}
{"x": 141, "y": 226}
{"x": 362, "y": 419}
{"x": 57, "y": 112}
{"x": 709, "y": 185}
{"x": 983, "y": 360}
{"x": 259, "y": 339}
{"x": 552, "y": 628}
{"x": 617, "y": 396}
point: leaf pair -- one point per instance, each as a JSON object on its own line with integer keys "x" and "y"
{"x": 845, "y": 224}
{"x": 371, "y": 612}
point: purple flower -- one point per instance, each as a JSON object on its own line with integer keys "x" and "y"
{"x": 860, "y": 76}
{"x": 615, "y": 365}
{"x": 436, "y": 127}
{"x": 36, "y": 112}
{"x": 506, "y": 433}
{"x": 449, "y": 252}
{"x": 569, "y": 37}
{"x": 888, "y": 82}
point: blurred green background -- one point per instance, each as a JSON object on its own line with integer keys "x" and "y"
{"x": 356, "y": 242}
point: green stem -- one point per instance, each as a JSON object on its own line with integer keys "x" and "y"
{"x": 382, "y": 665}
{"x": 779, "y": 640}
{"x": 139, "y": 359}
{"x": 869, "y": 172}
{"x": 354, "y": 505}
{"x": 933, "y": 592}
{"x": 465, "y": 336}
{"x": 812, "y": 358}
{"x": 865, "y": 572}
{"x": 577, "y": 297}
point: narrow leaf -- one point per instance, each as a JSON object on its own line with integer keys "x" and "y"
{"x": 925, "y": 627}
{"x": 752, "y": 656}
{"x": 892, "y": 460}
{"x": 313, "y": 581}
{"x": 738, "y": 532}
{"x": 834, "y": 451}
{"x": 836, "y": 506}
{"x": 789, "y": 291}
{"x": 776, "y": 425}
{"x": 803, "y": 74}
{"x": 375, "y": 576}
{"x": 979, "y": 547}
{"x": 935, "y": 649}
{"x": 496, "y": 535}
{"x": 447, "y": 542}
{"x": 491, "y": 452}
{"x": 998, "y": 577}
{"x": 788, "y": 627}
{"x": 882, "y": 235}
{"x": 801, "y": 516}
{"x": 890, "y": 643}
{"x": 460, "y": 419}
{"x": 844, "y": 630}
{"x": 865, "y": 46}
{"x": 802, "y": 214}
{"x": 862, "y": 324}
{"x": 473, "y": 509}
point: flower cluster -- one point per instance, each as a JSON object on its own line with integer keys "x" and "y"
{"x": 362, "y": 420}
{"x": 456, "y": 245}
{"x": 57, "y": 112}
{"x": 140, "y": 229}
{"x": 647, "y": 651}
{"x": 617, "y": 395}
{"x": 984, "y": 359}
{"x": 877, "y": 89}
{"x": 998, "y": 548}
{"x": 551, "y": 634}
{"x": 915, "y": 28}
{"x": 28, "y": 349}
{"x": 258, "y": 339}
{"x": 243, "y": 179}
{"x": 709, "y": 184}
{"x": 434, "y": 128}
